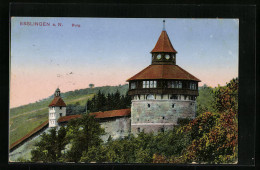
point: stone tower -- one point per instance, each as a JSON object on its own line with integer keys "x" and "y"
{"x": 163, "y": 92}
{"x": 57, "y": 108}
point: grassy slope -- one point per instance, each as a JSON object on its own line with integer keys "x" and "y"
{"x": 25, "y": 118}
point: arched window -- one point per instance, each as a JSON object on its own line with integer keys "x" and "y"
{"x": 150, "y": 97}
{"x": 174, "y": 97}
{"x": 148, "y": 105}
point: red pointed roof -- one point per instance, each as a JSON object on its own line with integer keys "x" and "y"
{"x": 57, "y": 101}
{"x": 164, "y": 44}
{"x": 163, "y": 72}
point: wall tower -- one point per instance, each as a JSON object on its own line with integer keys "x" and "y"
{"x": 57, "y": 109}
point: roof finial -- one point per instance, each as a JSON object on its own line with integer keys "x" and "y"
{"x": 163, "y": 25}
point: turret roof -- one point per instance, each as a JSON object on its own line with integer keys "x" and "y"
{"x": 163, "y": 44}
{"x": 163, "y": 72}
{"x": 57, "y": 101}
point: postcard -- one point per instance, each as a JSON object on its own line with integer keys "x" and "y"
{"x": 124, "y": 90}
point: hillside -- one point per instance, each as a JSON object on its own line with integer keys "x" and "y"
{"x": 24, "y": 119}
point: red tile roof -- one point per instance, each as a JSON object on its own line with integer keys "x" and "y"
{"x": 112, "y": 113}
{"x": 163, "y": 72}
{"x": 28, "y": 135}
{"x": 57, "y": 101}
{"x": 164, "y": 44}
{"x": 67, "y": 118}
{"x": 99, "y": 115}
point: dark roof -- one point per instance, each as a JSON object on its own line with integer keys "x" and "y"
{"x": 163, "y": 72}
{"x": 67, "y": 118}
{"x": 57, "y": 101}
{"x": 112, "y": 113}
{"x": 164, "y": 44}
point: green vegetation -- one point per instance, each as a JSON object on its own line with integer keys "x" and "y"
{"x": 50, "y": 147}
{"x": 24, "y": 119}
{"x": 112, "y": 101}
{"x": 205, "y": 100}
{"x": 82, "y": 134}
{"x": 212, "y": 137}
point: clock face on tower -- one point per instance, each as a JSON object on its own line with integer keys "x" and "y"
{"x": 167, "y": 56}
{"x": 159, "y": 56}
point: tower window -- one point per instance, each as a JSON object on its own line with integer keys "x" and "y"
{"x": 133, "y": 85}
{"x": 172, "y": 105}
{"x": 193, "y": 86}
{"x": 150, "y": 97}
{"x": 174, "y": 84}
{"x": 148, "y": 105}
{"x": 174, "y": 97}
{"x": 150, "y": 84}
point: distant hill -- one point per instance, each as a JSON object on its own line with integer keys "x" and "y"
{"x": 24, "y": 119}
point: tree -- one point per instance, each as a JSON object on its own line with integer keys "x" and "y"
{"x": 205, "y": 100}
{"x": 226, "y": 97}
{"x": 50, "y": 147}
{"x": 84, "y": 133}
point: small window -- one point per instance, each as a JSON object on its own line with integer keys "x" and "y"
{"x": 138, "y": 129}
{"x": 147, "y": 84}
{"x": 161, "y": 130}
{"x": 151, "y": 84}
{"x": 148, "y": 105}
{"x": 163, "y": 117}
{"x": 174, "y": 97}
{"x": 144, "y": 84}
{"x": 172, "y": 105}
{"x": 154, "y": 84}
{"x": 150, "y": 97}
{"x": 133, "y": 85}
{"x": 60, "y": 114}
{"x": 60, "y": 107}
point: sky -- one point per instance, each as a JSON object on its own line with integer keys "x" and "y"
{"x": 107, "y": 51}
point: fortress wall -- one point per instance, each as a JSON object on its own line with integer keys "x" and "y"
{"x": 116, "y": 127}
{"x": 153, "y": 115}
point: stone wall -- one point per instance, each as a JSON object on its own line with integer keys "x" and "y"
{"x": 159, "y": 115}
{"x": 117, "y": 127}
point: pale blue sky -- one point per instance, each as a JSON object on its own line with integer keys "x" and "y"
{"x": 107, "y": 51}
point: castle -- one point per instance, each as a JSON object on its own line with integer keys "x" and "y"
{"x": 161, "y": 93}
